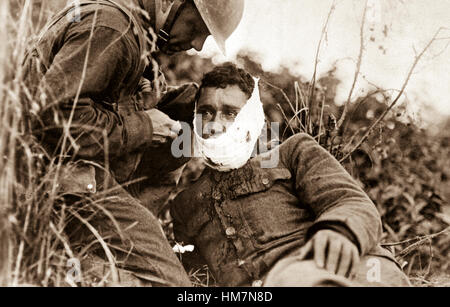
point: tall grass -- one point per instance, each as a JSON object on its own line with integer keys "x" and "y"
{"x": 27, "y": 239}
{"x": 9, "y": 130}
{"x": 34, "y": 246}
{"x": 34, "y": 249}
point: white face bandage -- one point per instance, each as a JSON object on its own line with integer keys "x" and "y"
{"x": 233, "y": 149}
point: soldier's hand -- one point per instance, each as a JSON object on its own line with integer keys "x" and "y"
{"x": 164, "y": 128}
{"x": 333, "y": 252}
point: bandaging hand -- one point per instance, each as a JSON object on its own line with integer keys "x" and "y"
{"x": 164, "y": 128}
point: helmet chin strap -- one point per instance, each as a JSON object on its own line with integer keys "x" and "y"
{"x": 164, "y": 32}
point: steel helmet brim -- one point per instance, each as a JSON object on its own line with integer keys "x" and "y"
{"x": 222, "y": 17}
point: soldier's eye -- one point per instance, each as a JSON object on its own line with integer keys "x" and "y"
{"x": 206, "y": 114}
{"x": 231, "y": 114}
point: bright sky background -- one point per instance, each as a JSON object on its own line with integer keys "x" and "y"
{"x": 287, "y": 32}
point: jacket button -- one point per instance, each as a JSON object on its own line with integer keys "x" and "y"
{"x": 231, "y": 231}
{"x": 266, "y": 181}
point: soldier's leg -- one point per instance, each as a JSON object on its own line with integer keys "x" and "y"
{"x": 134, "y": 235}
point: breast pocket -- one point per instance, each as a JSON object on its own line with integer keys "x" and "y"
{"x": 269, "y": 207}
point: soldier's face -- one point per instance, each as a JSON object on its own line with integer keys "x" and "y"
{"x": 189, "y": 31}
{"x": 217, "y": 109}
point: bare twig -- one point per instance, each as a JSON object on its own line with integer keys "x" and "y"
{"x": 357, "y": 72}
{"x": 421, "y": 242}
{"x": 312, "y": 85}
{"x": 418, "y": 239}
{"x": 405, "y": 84}
{"x": 285, "y": 96}
{"x": 321, "y": 119}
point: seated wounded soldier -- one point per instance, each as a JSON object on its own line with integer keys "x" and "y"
{"x": 301, "y": 222}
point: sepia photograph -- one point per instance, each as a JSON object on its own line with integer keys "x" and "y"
{"x": 211, "y": 144}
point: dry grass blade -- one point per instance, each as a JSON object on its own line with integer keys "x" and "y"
{"x": 109, "y": 255}
{"x": 285, "y": 118}
{"x": 63, "y": 240}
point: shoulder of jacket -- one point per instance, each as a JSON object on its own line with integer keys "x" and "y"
{"x": 298, "y": 143}
{"x": 104, "y": 16}
{"x": 268, "y": 160}
{"x": 299, "y": 138}
{"x": 112, "y": 17}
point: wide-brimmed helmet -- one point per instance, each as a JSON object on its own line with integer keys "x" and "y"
{"x": 222, "y": 17}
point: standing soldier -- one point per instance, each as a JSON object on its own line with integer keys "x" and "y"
{"x": 83, "y": 102}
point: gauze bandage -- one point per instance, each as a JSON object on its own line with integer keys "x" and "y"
{"x": 233, "y": 149}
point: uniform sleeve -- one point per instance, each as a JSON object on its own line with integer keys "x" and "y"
{"x": 331, "y": 193}
{"x": 109, "y": 61}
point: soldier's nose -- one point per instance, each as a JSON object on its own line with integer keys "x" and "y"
{"x": 199, "y": 42}
{"x": 214, "y": 129}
